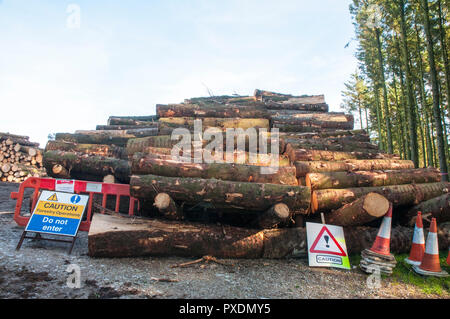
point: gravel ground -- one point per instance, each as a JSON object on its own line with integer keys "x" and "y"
{"x": 39, "y": 270}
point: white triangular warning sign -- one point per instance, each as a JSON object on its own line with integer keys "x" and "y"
{"x": 53, "y": 198}
{"x": 325, "y": 243}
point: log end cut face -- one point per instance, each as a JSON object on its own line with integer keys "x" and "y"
{"x": 375, "y": 204}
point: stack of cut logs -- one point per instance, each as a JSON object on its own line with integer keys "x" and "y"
{"x": 324, "y": 167}
{"x": 19, "y": 158}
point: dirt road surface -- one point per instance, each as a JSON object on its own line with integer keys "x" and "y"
{"x": 39, "y": 270}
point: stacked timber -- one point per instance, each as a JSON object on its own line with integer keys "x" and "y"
{"x": 19, "y": 158}
{"x": 97, "y": 155}
{"x": 192, "y": 178}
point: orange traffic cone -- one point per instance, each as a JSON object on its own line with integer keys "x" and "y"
{"x": 418, "y": 243}
{"x": 381, "y": 245}
{"x": 430, "y": 265}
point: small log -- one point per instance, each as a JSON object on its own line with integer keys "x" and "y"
{"x": 6, "y": 168}
{"x": 363, "y": 210}
{"x": 60, "y": 171}
{"x": 274, "y": 216}
{"x": 109, "y": 179}
{"x": 324, "y": 200}
{"x": 167, "y": 207}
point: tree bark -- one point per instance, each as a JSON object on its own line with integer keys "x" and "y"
{"x": 332, "y": 145}
{"x": 222, "y": 194}
{"x": 211, "y": 109}
{"x": 324, "y": 200}
{"x": 77, "y": 165}
{"x": 313, "y": 122}
{"x": 94, "y": 139}
{"x": 305, "y": 167}
{"x": 371, "y": 178}
{"x": 211, "y": 122}
{"x": 438, "y": 207}
{"x": 436, "y": 98}
{"x": 136, "y": 132}
{"x": 300, "y": 154}
{"x": 132, "y": 120}
{"x": 90, "y": 149}
{"x": 357, "y": 135}
{"x": 126, "y": 127}
{"x": 362, "y": 211}
{"x": 113, "y": 236}
{"x": 284, "y": 175}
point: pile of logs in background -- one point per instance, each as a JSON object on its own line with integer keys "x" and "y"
{"x": 325, "y": 166}
{"x": 19, "y": 158}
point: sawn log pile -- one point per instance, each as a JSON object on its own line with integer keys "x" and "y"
{"x": 19, "y": 158}
{"x": 322, "y": 165}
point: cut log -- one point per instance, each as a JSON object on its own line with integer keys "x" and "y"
{"x": 110, "y": 179}
{"x": 78, "y": 165}
{"x": 371, "y": 178}
{"x": 132, "y": 120}
{"x": 126, "y": 127}
{"x": 363, "y": 210}
{"x": 222, "y": 99}
{"x": 277, "y": 214}
{"x": 94, "y": 138}
{"x": 210, "y": 109}
{"x": 313, "y": 121}
{"x": 136, "y": 132}
{"x": 305, "y": 167}
{"x": 142, "y": 165}
{"x": 300, "y": 154}
{"x": 92, "y": 149}
{"x": 6, "y": 168}
{"x": 324, "y": 200}
{"x": 167, "y": 207}
{"x": 221, "y": 123}
{"x": 332, "y": 145}
{"x": 114, "y": 236}
{"x": 235, "y": 196}
{"x": 438, "y": 207}
{"x": 60, "y": 171}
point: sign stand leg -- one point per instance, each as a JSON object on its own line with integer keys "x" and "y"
{"x": 21, "y": 240}
{"x": 71, "y": 245}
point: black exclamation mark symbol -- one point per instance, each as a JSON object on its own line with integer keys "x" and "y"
{"x": 326, "y": 239}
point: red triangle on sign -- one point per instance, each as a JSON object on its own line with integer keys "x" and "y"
{"x": 313, "y": 246}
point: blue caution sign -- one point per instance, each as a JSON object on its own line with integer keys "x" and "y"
{"x": 57, "y": 213}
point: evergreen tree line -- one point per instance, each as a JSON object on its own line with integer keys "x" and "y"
{"x": 401, "y": 89}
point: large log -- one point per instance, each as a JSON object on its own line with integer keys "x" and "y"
{"x": 136, "y": 132}
{"x": 438, "y": 207}
{"x": 92, "y": 149}
{"x": 222, "y": 99}
{"x": 354, "y": 134}
{"x": 142, "y": 165}
{"x": 221, "y": 123}
{"x": 301, "y": 154}
{"x": 211, "y": 109}
{"x": 234, "y": 196}
{"x": 94, "y": 138}
{"x": 332, "y": 145}
{"x": 126, "y": 127}
{"x": 305, "y": 167}
{"x": 79, "y": 165}
{"x": 140, "y": 145}
{"x": 363, "y": 210}
{"x": 371, "y": 178}
{"x": 277, "y": 214}
{"x": 324, "y": 200}
{"x": 132, "y": 120}
{"x": 113, "y": 236}
{"x": 313, "y": 121}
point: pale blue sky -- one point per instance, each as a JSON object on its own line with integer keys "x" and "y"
{"x": 128, "y": 56}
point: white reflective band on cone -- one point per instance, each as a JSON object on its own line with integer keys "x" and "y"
{"x": 431, "y": 247}
{"x": 385, "y": 229}
{"x": 418, "y": 237}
